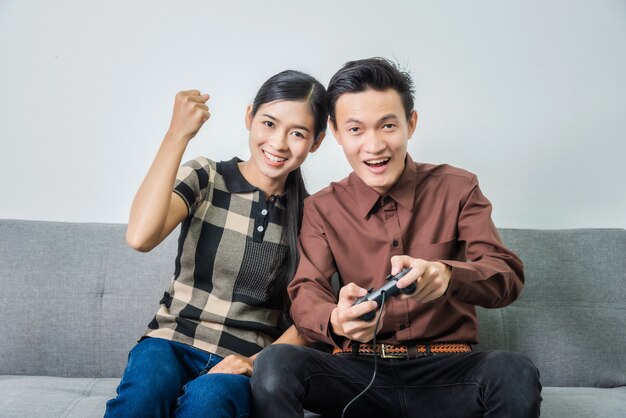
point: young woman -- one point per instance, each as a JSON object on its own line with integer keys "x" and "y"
{"x": 237, "y": 251}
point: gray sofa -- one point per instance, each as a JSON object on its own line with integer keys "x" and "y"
{"x": 74, "y": 298}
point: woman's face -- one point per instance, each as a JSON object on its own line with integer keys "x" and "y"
{"x": 281, "y": 137}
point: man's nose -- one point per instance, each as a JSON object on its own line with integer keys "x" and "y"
{"x": 373, "y": 144}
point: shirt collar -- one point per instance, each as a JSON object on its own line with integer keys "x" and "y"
{"x": 237, "y": 183}
{"x": 403, "y": 192}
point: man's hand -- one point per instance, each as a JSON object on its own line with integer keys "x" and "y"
{"x": 431, "y": 277}
{"x": 190, "y": 113}
{"x": 233, "y": 364}
{"x": 345, "y": 317}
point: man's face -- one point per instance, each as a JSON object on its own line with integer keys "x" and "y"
{"x": 373, "y": 130}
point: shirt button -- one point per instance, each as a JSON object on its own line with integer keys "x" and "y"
{"x": 386, "y": 199}
{"x": 260, "y": 229}
{"x": 402, "y": 326}
{"x": 272, "y": 198}
{"x": 264, "y": 212}
{"x": 395, "y": 243}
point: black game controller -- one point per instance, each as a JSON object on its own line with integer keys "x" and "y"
{"x": 389, "y": 288}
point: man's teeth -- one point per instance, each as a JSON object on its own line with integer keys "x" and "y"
{"x": 375, "y": 162}
{"x": 274, "y": 157}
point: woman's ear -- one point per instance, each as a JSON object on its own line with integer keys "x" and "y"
{"x": 318, "y": 142}
{"x": 249, "y": 117}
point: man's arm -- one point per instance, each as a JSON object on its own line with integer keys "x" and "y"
{"x": 313, "y": 302}
{"x": 493, "y": 275}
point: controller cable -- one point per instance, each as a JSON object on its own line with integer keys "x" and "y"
{"x": 382, "y": 303}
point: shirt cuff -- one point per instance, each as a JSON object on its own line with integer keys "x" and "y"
{"x": 460, "y": 275}
{"x": 317, "y": 327}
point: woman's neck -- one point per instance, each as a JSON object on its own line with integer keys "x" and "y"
{"x": 255, "y": 177}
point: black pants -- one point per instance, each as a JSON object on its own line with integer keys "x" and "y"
{"x": 289, "y": 378}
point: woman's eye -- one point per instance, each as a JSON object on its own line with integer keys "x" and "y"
{"x": 268, "y": 123}
{"x": 353, "y": 130}
{"x": 298, "y": 134}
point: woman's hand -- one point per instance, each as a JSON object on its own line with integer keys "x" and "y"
{"x": 190, "y": 113}
{"x": 234, "y": 364}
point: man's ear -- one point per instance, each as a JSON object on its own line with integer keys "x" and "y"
{"x": 333, "y": 128}
{"x": 249, "y": 117}
{"x": 318, "y": 142}
{"x": 412, "y": 122}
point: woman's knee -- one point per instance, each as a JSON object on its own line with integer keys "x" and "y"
{"x": 152, "y": 370}
{"x": 215, "y": 395}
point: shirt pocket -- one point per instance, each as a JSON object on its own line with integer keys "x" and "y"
{"x": 447, "y": 250}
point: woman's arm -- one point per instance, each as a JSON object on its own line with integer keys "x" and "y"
{"x": 156, "y": 211}
{"x": 236, "y": 364}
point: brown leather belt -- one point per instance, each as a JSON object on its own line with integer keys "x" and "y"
{"x": 402, "y": 351}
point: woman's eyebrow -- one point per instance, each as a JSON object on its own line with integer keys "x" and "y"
{"x": 304, "y": 128}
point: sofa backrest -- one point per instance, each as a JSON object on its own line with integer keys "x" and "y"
{"x": 571, "y": 316}
{"x": 75, "y": 299}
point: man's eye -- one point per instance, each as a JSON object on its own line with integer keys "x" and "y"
{"x": 389, "y": 126}
{"x": 353, "y": 130}
{"x": 268, "y": 123}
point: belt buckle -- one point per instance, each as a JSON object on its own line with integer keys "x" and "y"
{"x": 384, "y": 354}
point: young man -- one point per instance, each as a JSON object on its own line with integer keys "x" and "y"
{"x": 390, "y": 214}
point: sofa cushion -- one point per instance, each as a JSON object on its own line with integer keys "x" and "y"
{"x": 571, "y": 316}
{"x": 58, "y": 397}
{"x": 54, "y": 397}
{"x": 573, "y": 402}
{"x": 75, "y": 291}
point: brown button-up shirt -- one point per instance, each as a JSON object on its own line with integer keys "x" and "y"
{"x": 434, "y": 212}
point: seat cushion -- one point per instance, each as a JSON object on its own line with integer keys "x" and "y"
{"x": 54, "y": 397}
{"x": 582, "y": 402}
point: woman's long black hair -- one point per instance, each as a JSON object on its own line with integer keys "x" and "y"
{"x": 296, "y": 86}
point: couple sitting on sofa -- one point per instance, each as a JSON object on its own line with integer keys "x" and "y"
{"x": 254, "y": 256}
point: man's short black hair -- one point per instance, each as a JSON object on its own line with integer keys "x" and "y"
{"x": 371, "y": 73}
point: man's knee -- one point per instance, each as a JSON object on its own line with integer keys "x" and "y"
{"x": 514, "y": 381}
{"x": 511, "y": 367}
{"x": 273, "y": 367}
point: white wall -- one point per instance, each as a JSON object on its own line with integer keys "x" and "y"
{"x": 530, "y": 95}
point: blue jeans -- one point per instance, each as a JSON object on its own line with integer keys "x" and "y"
{"x": 169, "y": 379}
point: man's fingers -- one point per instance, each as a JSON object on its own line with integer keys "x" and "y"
{"x": 349, "y": 293}
{"x": 356, "y": 311}
{"x": 398, "y": 262}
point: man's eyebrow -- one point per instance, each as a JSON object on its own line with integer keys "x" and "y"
{"x": 389, "y": 116}
{"x": 384, "y": 118}
{"x": 304, "y": 128}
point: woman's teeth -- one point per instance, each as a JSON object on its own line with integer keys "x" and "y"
{"x": 274, "y": 157}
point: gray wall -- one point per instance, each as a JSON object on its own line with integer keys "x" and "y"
{"x": 530, "y": 95}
